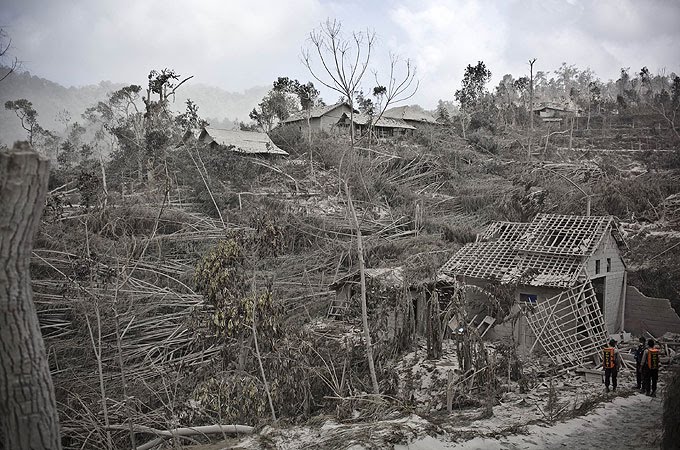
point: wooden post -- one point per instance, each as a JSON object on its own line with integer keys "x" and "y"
{"x": 449, "y": 394}
{"x": 27, "y": 403}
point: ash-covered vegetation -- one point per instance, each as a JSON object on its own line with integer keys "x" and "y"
{"x": 181, "y": 284}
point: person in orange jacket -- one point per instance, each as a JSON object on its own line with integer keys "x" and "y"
{"x": 650, "y": 368}
{"x": 611, "y": 362}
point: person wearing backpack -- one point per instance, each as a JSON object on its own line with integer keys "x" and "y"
{"x": 611, "y": 361}
{"x": 650, "y": 368}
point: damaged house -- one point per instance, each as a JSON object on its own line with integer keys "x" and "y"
{"x": 569, "y": 278}
{"x": 399, "y": 306}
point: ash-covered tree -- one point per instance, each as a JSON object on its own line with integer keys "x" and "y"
{"x": 73, "y": 150}
{"x": 306, "y": 94}
{"x": 511, "y": 97}
{"x": 160, "y": 127}
{"x": 365, "y": 104}
{"x": 338, "y": 61}
{"x": 190, "y": 119}
{"x": 473, "y": 86}
{"x": 121, "y": 118}
{"x": 27, "y": 115}
{"x": 275, "y": 107}
{"x": 42, "y": 140}
{"x": 473, "y": 89}
{"x": 442, "y": 114}
{"x": 143, "y": 134}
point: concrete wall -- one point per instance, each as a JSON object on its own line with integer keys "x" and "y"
{"x": 614, "y": 276}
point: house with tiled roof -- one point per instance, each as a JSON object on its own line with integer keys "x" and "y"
{"x": 569, "y": 280}
{"x": 570, "y": 284}
{"x": 320, "y": 118}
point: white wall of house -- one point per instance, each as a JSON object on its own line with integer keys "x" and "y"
{"x": 606, "y": 262}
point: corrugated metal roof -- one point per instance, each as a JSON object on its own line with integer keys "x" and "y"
{"x": 409, "y": 113}
{"x": 383, "y": 122}
{"x": 250, "y": 142}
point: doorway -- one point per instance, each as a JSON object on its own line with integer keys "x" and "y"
{"x": 599, "y": 286}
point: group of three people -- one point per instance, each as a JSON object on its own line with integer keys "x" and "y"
{"x": 646, "y": 366}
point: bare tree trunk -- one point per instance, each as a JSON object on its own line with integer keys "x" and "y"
{"x": 531, "y": 106}
{"x": 364, "y": 308}
{"x": 104, "y": 185}
{"x": 27, "y": 403}
{"x": 309, "y": 141}
{"x": 259, "y": 360}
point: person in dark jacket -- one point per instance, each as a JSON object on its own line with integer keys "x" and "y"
{"x": 638, "y": 362}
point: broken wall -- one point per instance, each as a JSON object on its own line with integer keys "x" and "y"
{"x": 649, "y": 314}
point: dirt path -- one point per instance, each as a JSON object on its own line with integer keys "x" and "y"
{"x": 625, "y": 423}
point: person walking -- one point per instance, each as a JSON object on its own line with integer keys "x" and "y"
{"x": 650, "y": 368}
{"x": 638, "y": 362}
{"x": 611, "y": 362}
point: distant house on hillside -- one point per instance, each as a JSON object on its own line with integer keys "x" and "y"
{"x": 383, "y": 127}
{"x": 413, "y": 116}
{"x": 247, "y": 142}
{"x": 553, "y": 113}
{"x": 321, "y": 118}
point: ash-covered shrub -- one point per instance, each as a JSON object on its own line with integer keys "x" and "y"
{"x": 483, "y": 139}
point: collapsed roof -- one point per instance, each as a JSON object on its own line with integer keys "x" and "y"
{"x": 553, "y": 247}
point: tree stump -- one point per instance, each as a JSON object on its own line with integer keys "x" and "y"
{"x": 28, "y": 410}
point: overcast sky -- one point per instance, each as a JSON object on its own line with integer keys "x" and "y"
{"x": 237, "y": 44}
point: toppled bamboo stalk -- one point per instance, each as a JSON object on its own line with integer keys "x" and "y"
{"x": 184, "y": 431}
